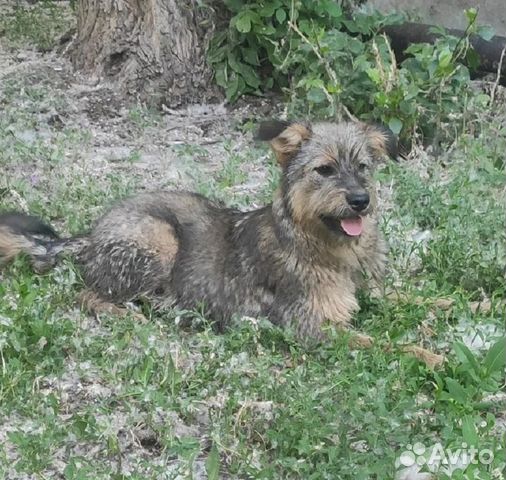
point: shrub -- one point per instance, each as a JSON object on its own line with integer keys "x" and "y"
{"x": 332, "y": 63}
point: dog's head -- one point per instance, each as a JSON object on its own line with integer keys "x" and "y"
{"x": 327, "y": 171}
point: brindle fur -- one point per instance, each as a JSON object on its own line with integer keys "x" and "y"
{"x": 282, "y": 261}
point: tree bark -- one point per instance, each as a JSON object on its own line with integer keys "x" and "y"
{"x": 154, "y": 49}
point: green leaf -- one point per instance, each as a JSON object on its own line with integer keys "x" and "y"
{"x": 456, "y": 391}
{"x": 471, "y": 14}
{"x": 466, "y": 356}
{"x": 495, "y": 359}
{"x": 247, "y": 72}
{"x": 407, "y": 108}
{"x": 330, "y": 8}
{"x": 267, "y": 10}
{"x": 469, "y": 431}
{"x": 333, "y": 88}
{"x": 232, "y": 87}
{"x": 280, "y": 15}
{"x": 374, "y": 75}
{"x": 219, "y": 39}
{"x": 221, "y": 75}
{"x": 472, "y": 58}
{"x": 262, "y": 29}
{"x": 216, "y": 54}
{"x": 234, "y": 5}
{"x": 213, "y": 464}
{"x": 250, "y": 76}
{"x": 431, "y": 68}
{"x": 439, "y": 381}
{"x": 243, "y": 21}
{"x": 250, "y": 55}
{"x": 486, "y": 32}
{"x": 445, "y": 57}
{"x": 355, "y": 46}
{"x": 316, "y": 95}
{"x": 395, "y": 125}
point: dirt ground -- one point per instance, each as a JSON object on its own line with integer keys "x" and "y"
{"x": 116, "y": 134}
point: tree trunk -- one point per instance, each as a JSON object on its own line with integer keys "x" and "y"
{"x": 154, "y": 49}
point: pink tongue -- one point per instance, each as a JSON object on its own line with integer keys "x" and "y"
{"x": 352, "y": 226}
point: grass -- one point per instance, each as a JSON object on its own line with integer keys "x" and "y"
{"x": 39, "y": 25}
{"x": 172, "y": 399}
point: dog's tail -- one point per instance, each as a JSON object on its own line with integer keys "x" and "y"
{"x": 29, "y": 235}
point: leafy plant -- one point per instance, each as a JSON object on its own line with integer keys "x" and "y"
{"x": 333, "y": 63}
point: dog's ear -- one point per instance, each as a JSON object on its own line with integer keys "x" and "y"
{"x": 381, "y": 140}
{"x": 285, "y": 137}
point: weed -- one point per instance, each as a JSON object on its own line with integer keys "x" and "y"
{"x": 334, "y": 64}
{"x": 38, "y": 25}
{"x": 143, "y": 117}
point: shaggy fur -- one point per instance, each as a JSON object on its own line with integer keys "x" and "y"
{"x": 291, "y": 261}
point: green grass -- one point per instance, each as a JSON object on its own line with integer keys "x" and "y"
{"x": 39, "y": 25}
{"x": 118, "y": 399}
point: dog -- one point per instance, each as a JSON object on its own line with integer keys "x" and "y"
{"x": 298, "y": 261}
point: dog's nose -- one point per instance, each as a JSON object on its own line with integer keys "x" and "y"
{"x": 358, "y": 201}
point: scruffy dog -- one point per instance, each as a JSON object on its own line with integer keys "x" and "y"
{"x": 298, "y": 261}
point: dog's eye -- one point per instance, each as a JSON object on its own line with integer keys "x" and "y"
{"x": 325, "y": 170}
{"x": 363, "y": 167}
